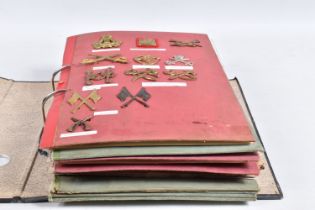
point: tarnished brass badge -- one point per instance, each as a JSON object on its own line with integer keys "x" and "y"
{"x": 117, "y": 58}
{"x": 184, "y": 75}
{"x": 147, "y": 74}
{"x": 106, "y": 41}
{"x": 147, "y": 59}
{"x": 179, "y": 59}
{"x": 80, "y": 123}
{"x": 193, "y": 43}
{"x": 147, "y": 42}
{"x": 94, "y": 97}
{"x": 105, "y": 75}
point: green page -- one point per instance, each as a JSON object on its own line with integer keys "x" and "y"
{"x": 155, "y": 150}
{"x": 246, "y": 196}
{"x": 92, "y": 188}
{"x": 99, "y": 184}
{"x": 148, "y": 194}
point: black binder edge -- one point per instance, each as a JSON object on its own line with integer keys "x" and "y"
{"x": 261, "y": 196}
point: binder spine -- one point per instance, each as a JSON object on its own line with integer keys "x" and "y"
{"x": 48, "y": 131}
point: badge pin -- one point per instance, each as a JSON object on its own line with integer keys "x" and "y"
{"x": 184, "y": 75}
{"x": 141, "y": 97}
{"x": 80, "y": 123}
{"x": 146, "y": 42}
{"x": 93, "y": 96}
{"x": 107, "y": 75}
{"x": 193, "y": 43}
{"x": 179, "y": 59}
{"x": 147, "y": 74}
{"x": 106, "y": 41}
{"x": 92, "y": 59}
{"x": 146, "y": 59}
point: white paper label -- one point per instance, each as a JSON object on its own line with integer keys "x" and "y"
{"x": 179, "y": 67}
{"x": 73, "y": 134}
{"x": 145, "y": 66}
{"x": 147, "y": 49}
{"x": 108, "y": 112}
{"x": 106, "y": 50}
{"x": 97, "y": 87}
{"x": 102, "y": 67}
{"x": 164, "y": 84}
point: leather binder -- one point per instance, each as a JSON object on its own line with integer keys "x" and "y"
{"x": 27, "y": 175}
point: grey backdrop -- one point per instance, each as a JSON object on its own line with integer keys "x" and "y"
{"x": 269, "y": 45}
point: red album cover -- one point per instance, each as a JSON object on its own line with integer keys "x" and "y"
{"x": 171, "y": 110}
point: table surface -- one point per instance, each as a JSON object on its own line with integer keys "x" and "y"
{"x": 268, "y": 45}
